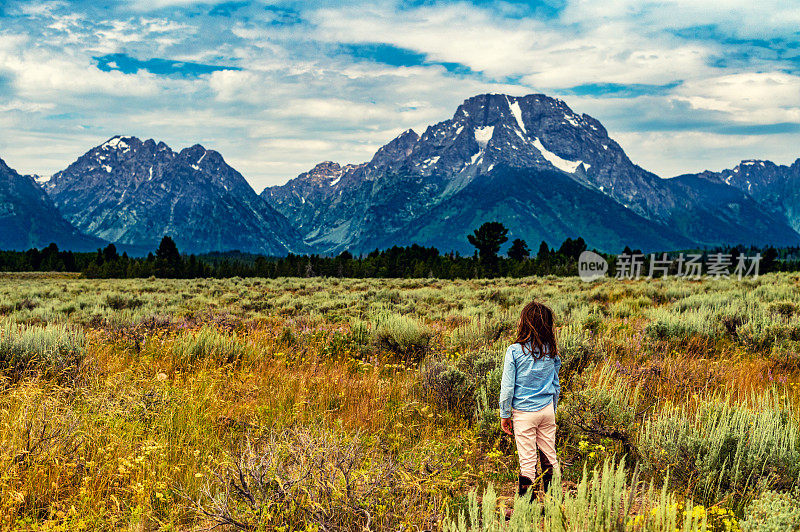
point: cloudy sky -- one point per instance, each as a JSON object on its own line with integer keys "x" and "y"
{"x": 682, "y": 85}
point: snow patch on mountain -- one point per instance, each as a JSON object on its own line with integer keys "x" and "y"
{"x": 517, "y": 112}
{"x": 562, "y": 164}
{"x": 571, "y": 120}
{"x": 483, "y": 135}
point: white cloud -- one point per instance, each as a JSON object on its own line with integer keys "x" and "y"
{"x": 546, "y": 55}
{"x": 299, "y": 99}
{"x": 58, "y": 79}
{"x": 743, "y": 18}
{"x": 25, "y": 107}
{"x": 669, "y": 154}
{"x": 40, "y": 8}
{"x": 756, "y": 98}
{"x": 151, "y": 5}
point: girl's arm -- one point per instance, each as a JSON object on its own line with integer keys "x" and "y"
{"x": 507, "y": 383}
{"x": 556, "y": 383}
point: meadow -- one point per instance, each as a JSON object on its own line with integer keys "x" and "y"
{"x": 348, "y": 404}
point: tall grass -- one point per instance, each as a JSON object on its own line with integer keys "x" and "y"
{"x": 51, "y": 350}
{"x": 209, "y": 345}
{"x": 720, "y": 446}
{"x": 605, "y": 499}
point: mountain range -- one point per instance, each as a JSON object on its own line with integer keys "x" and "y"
{"x": 530, "y": 162}
{"x": 29, "y": 219}
{"x": 134, "y": 192}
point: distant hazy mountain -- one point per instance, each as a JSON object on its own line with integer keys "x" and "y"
{"x": 529, "y": 162}
{"x": 775, "y": 187}
{"x": 29, "y": 219}
{"x": 133, "y": 193}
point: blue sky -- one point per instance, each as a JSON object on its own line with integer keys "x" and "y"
{"x": 279, "y": 86}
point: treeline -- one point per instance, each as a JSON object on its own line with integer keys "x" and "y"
{"x": 49, "y": 259}
{"x": 397, "y": 262}
{"x": 409, "y": 262}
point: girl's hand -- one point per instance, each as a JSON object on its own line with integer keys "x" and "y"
{"x": 507, "y": 426}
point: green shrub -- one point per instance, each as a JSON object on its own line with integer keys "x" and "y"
{"x": 479, "y": 364}
{"x": 120, "y": 302}
{"x": 785, "y": 309}
{"x": 359, "y": 331}
{"x": 402, "y": 335}
{"x": 448, "y": 388}
{"x": 481, "y": 331}
{"x": 207, "y": 344}
{"x": 577, "y": 352}
{"x": 723, "y": 447}
{"x": 602, "y": 410}
{"x": 666, "y": 324}
{"x": 497, "y": 328}
{"x": 500, "y": 297}
{"x": 27, "y": 304}
{"x": 772, "y": 512}
{"x": 389, "y": 296}
{"x": 487, "y": 417}
{"x": 51, "y": 350}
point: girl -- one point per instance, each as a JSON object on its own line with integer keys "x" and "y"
{"x": 529, "y": 394}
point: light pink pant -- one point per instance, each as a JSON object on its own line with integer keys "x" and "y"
{"x": 532, "y": 429}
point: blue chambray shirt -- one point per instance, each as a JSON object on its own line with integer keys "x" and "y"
{"x": 528, "y": 384}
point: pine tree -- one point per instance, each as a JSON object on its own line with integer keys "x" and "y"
{"x": 168, "y": 259}
{"x": 519, "y": 250}
{"x": 487, "y": 239}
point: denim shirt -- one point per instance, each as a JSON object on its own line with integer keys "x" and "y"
{"x": 528, "y": 384}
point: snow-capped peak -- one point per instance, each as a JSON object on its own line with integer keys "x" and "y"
{"x": 117, "y": 142}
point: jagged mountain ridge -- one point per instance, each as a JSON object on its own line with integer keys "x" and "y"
{"x": 29, "y": 219}
{"x": 392, "y": 196}
{"x": 133, "y": 192}
{"x": 776, "y": 187}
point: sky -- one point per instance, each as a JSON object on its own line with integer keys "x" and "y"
{"x": 276, "y": 87}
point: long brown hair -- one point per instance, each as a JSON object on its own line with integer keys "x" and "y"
{"x": 536, "y": 325}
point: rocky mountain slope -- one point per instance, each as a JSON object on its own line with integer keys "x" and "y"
{"x": 775, "y": 187}
{"x": 529, "y": 162}
{"x": 133, "y": 192}
{"x": 29, "y": 219}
